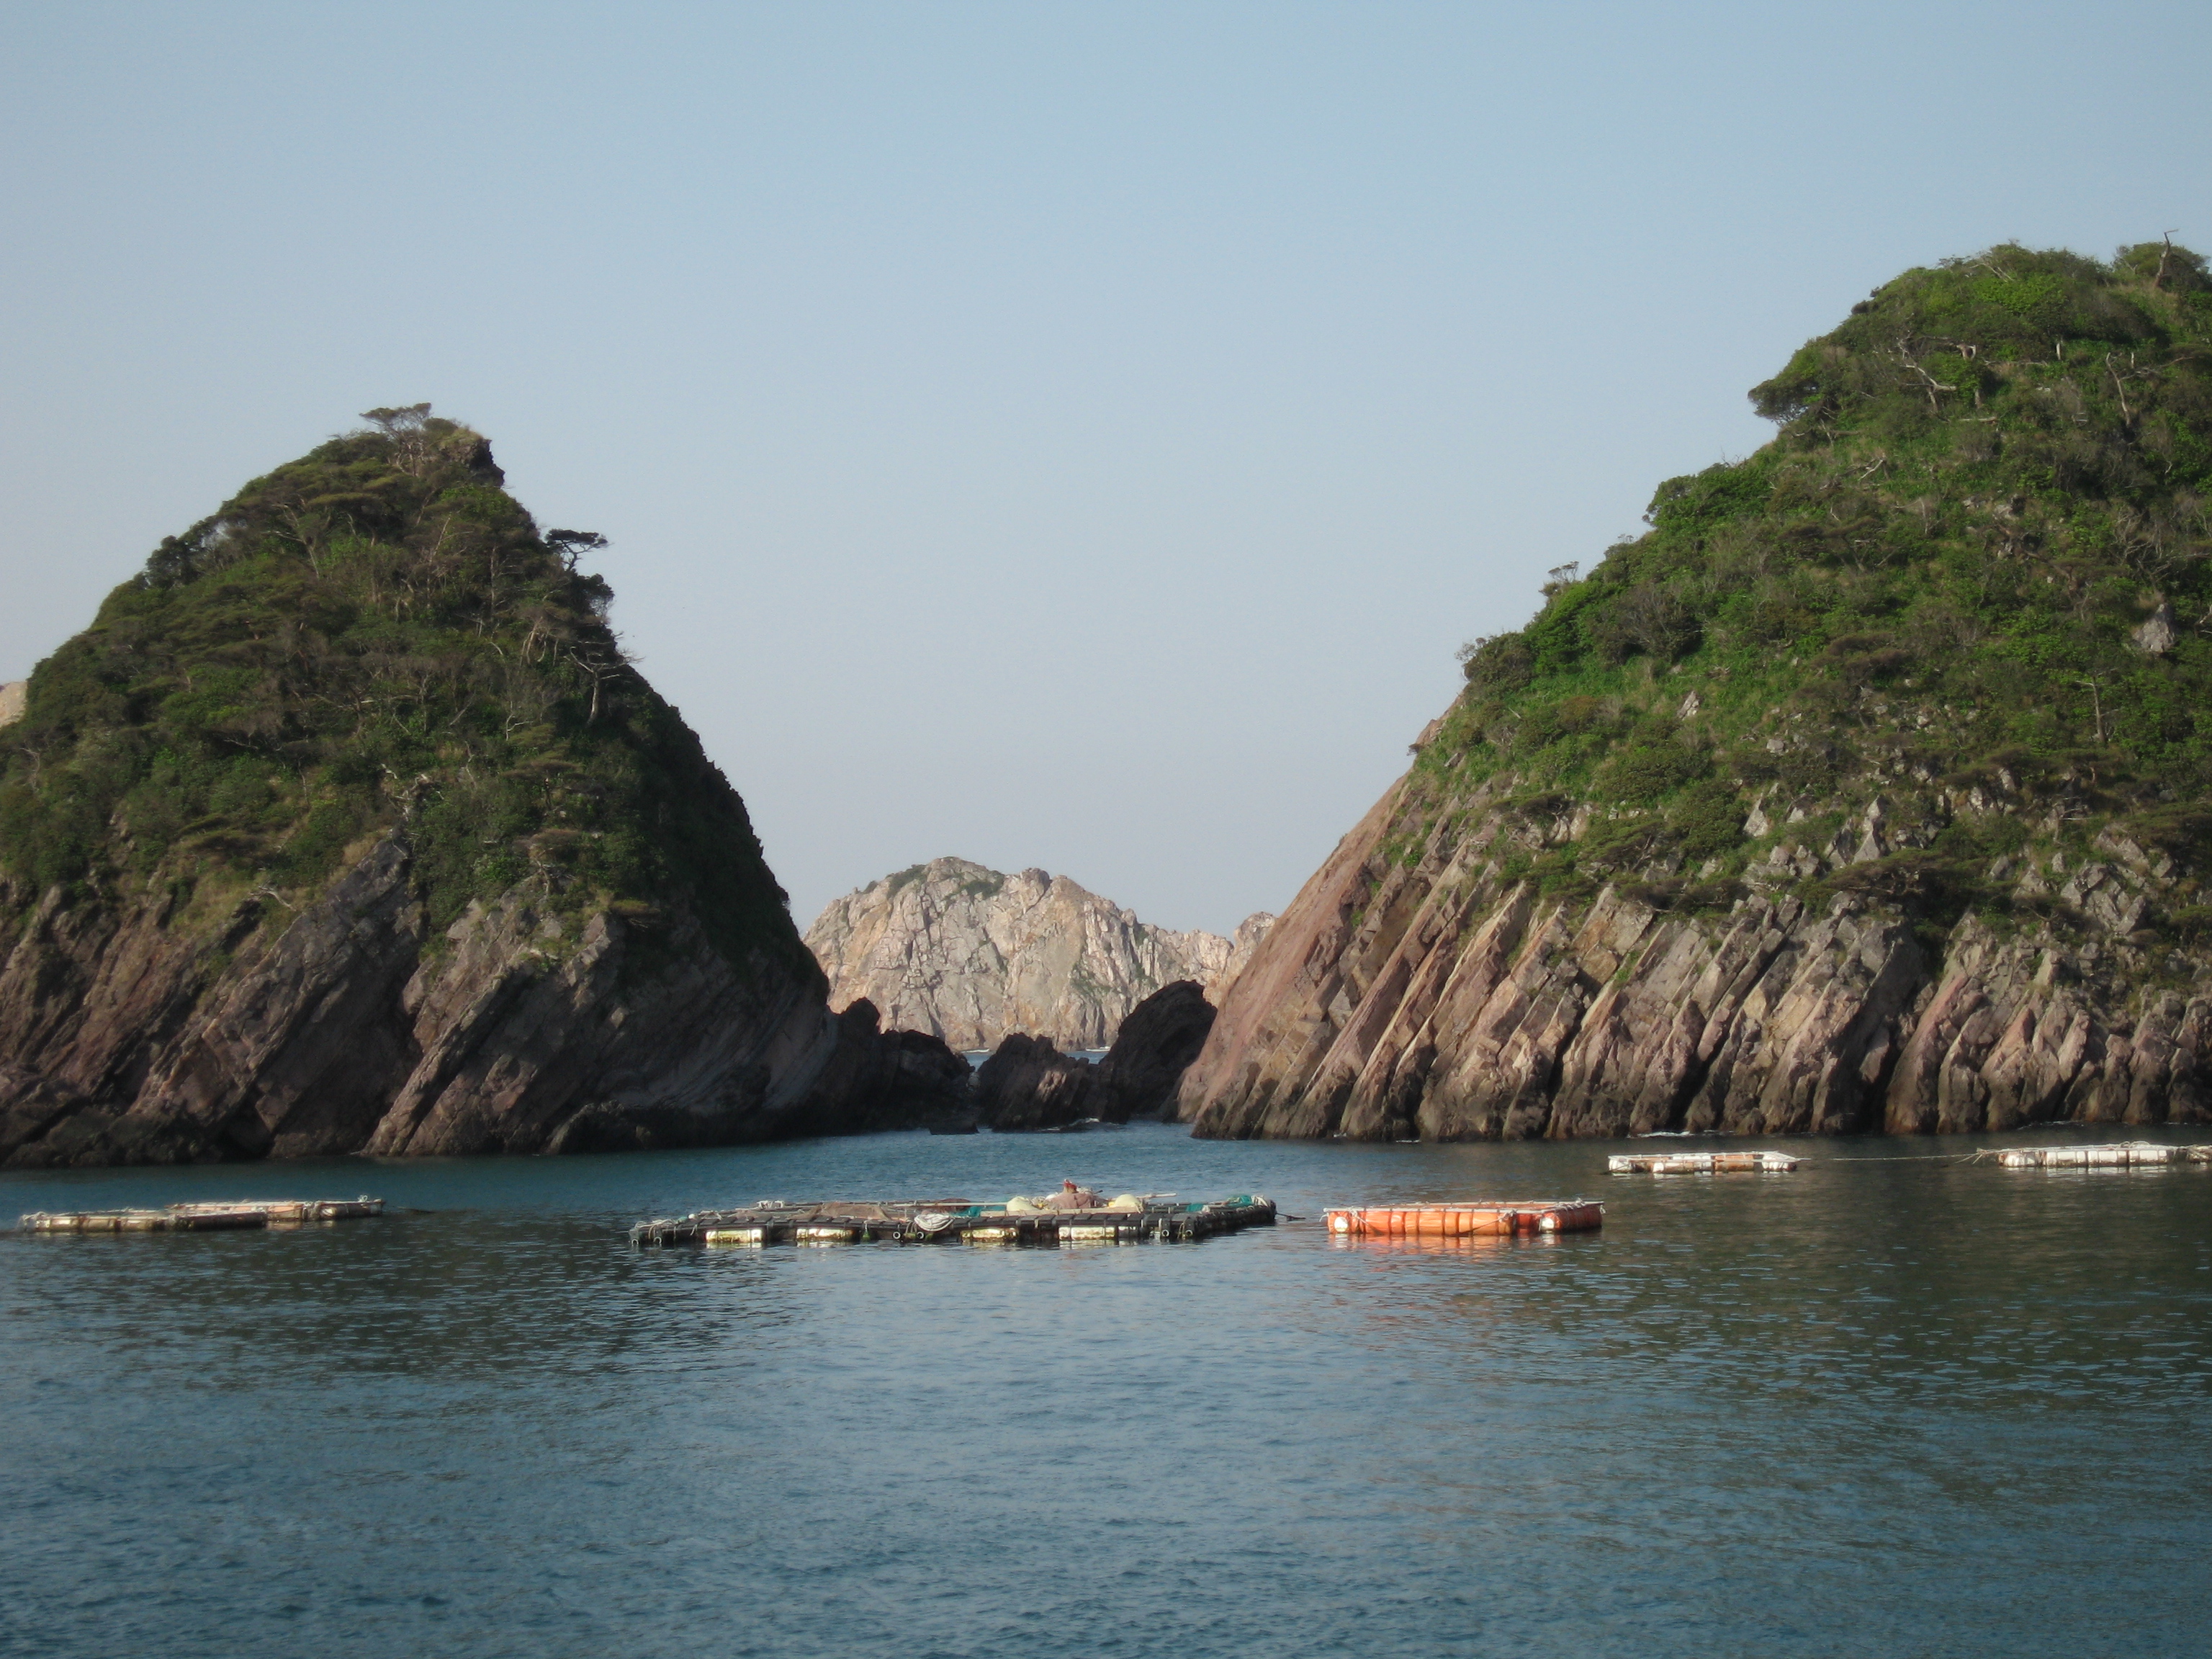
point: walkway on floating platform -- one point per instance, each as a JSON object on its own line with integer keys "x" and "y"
{"x": 205, "y": 1218}
{"x": 953, "y": 1221}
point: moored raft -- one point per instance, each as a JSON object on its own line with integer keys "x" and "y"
{"x": 205, "y": 1218}
{"x": 1468, "y": 1220}
{"x": 954, "y": 1221}
{"x": 1701, "y": 1163}
{"x": 2125, "y": 1154}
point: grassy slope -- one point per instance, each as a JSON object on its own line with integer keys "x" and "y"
{"x": 1923, "y": 589}
{"x": 376, "y": 631}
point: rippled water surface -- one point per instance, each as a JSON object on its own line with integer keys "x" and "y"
{"x": 1892, "y": 1404}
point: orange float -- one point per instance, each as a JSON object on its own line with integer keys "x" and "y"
{"x": 1468, "y": 1220}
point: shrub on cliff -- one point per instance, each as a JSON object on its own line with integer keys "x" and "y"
{"x": 1984, "y": 528}
{"x": 376, "y": 634}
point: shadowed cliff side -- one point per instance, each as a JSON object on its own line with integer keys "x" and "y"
{"x": 348, "y": 827}
{"x": 1868, "y": 790}
{"x": 1156, "y": 1045}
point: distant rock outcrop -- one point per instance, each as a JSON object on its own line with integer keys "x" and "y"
{"x": 971, "y": 954}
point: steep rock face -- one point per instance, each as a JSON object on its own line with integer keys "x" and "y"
{"x": 1163, "y": 1034}
{"x": 332, "y": 1031}
{"x": 971, "y": 955}
{"x": 346, "y": 827}
{"x": 1441, "y": 998}
{"x": 1871, "y": 789}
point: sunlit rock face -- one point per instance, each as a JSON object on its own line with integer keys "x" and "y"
{"x": 972, "y": 955}
{"x": 1868, "y": 790}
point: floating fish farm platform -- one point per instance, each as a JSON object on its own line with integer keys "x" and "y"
{"x": 2124, "y": 1154}
{"x": 1701, "y": 1163}
{"x": 205, "y": 1218}
{"x": 956, "y": 1221}
{"x": 1468, "y": 1220}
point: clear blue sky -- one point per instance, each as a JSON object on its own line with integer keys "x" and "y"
{"x": 1075, "y": 436}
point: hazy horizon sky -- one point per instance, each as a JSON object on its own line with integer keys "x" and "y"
{"x": 1055, "y": 435}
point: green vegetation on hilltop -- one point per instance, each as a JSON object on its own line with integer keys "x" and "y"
{"x": 1969, "y": 577}
{"x": 373, "y": 635}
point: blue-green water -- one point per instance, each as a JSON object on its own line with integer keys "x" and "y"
{"x": 1890, "y": 1405}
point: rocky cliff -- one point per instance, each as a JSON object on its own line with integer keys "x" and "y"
{"x": 1870, "y": 790}
{"x": 972, "y": 955}
{"x": 346, "y": 827}
{"x": 1028, "y": 1083}
{"x": 1156, "y": 1045}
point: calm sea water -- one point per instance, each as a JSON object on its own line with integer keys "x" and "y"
{"x": 1890, "y": 1405}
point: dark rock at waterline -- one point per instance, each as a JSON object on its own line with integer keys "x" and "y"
{"x": 1028, "y": 1083}
{"x": 878, "y": 1080}
{"x": 30, "y": 1104}
{"x": 874, "y": 1081}
{"x": 1155, "y": 1046}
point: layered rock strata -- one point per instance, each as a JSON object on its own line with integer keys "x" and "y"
{"x": 1870, "y": 788}
{"x": 1437, "y": 997}
{"x": 337, "y": 1029}
{"x": 971, "y": 954}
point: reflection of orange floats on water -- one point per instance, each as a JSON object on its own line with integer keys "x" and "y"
{"x": 1468, "y": 1220}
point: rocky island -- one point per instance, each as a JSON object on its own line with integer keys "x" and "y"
{"x": 1869, "y": 789}
{"x": 348, "y": 827}
{"x": 972, "y": 955}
